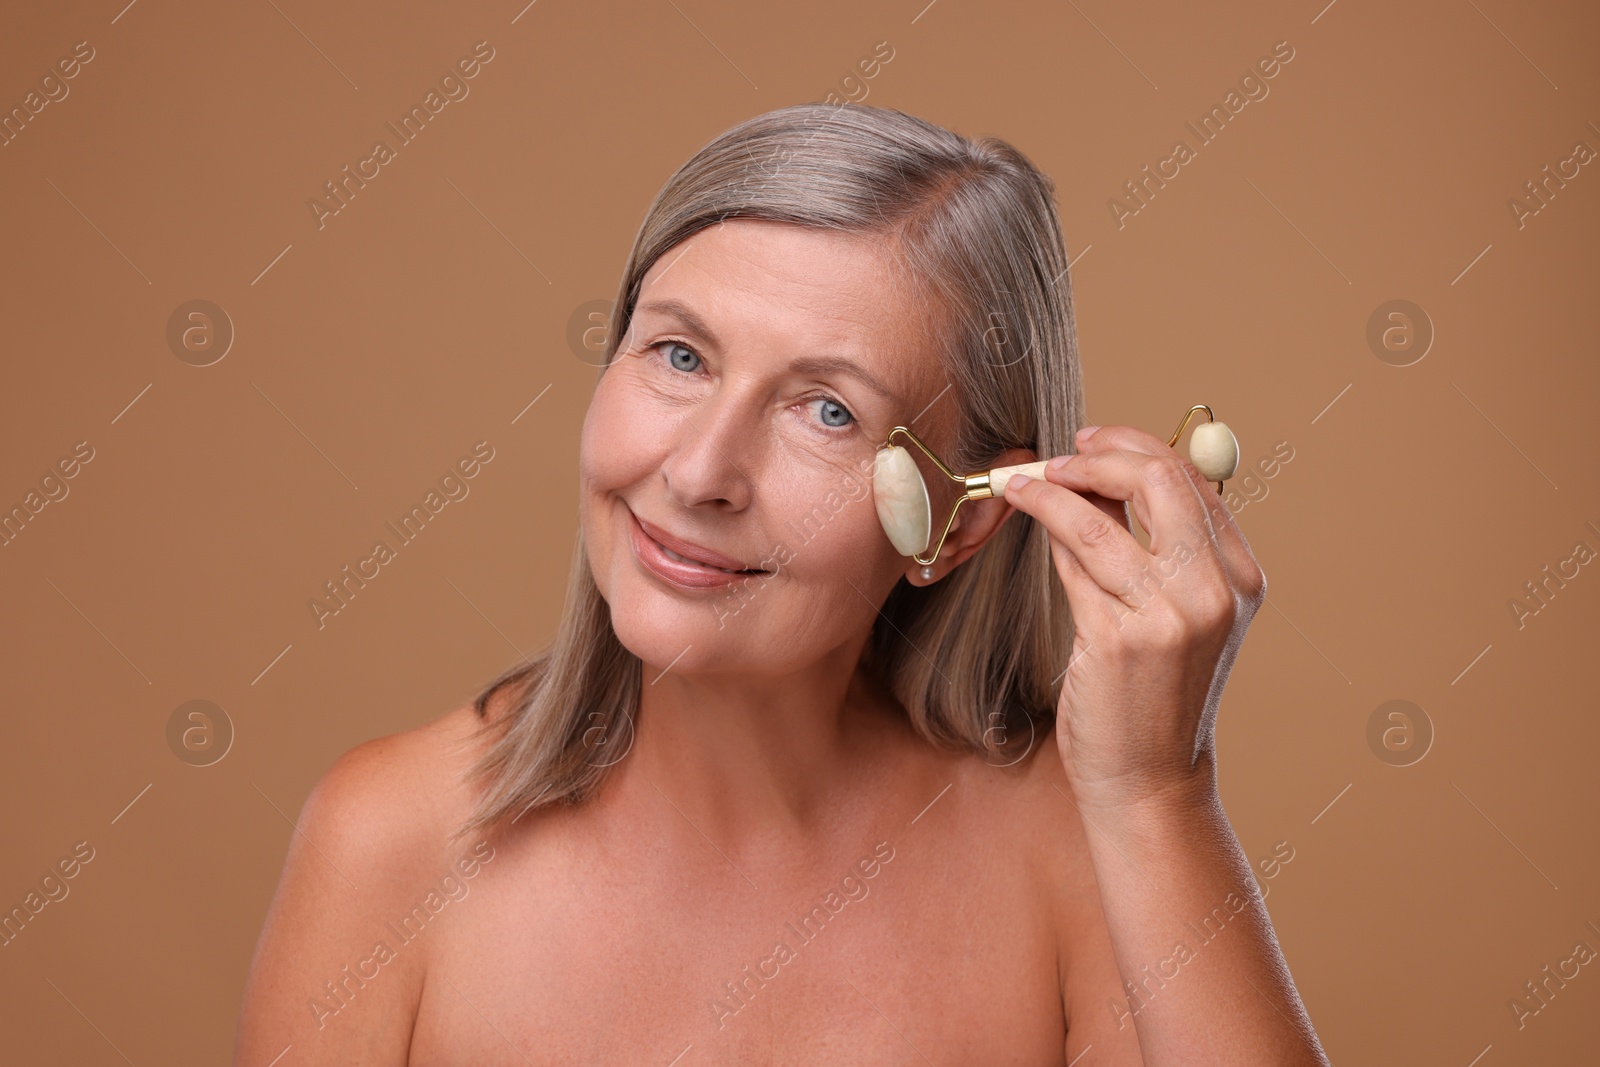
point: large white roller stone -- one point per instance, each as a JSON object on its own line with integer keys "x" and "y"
{"x": 901, "y": 497}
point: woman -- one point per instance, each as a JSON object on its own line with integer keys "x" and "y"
{"x": 777, "y": 793}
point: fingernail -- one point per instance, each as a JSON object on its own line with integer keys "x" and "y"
{"x": 1018, "y": 482}
{"x": 1087, "y": 432}
{"x": 1057, "y": 463}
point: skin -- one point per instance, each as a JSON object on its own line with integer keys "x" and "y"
{"x": 971, "y": 913}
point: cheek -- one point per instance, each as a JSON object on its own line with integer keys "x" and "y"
{"x": 618, "y": 439}
{"x": 615, "y": 451}
{"x": 831, "y": 525}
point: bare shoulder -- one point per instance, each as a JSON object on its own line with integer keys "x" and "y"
{"x": 1037, "y": 799}
{"x": 330, "y": 975}
{"x": 391, "y": 802}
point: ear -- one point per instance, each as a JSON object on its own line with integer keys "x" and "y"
{"x": 976, "y": 521}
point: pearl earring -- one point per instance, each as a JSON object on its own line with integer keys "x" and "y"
{"x": 927, "y": 574}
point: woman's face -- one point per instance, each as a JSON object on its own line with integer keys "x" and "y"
{"x": 764, "y": 365}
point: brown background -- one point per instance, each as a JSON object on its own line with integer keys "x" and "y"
{"x": 430, "y": 312}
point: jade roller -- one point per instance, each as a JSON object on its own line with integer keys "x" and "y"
{"x": 901, "y": 496}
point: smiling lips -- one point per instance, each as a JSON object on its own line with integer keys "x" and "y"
{"x": 683, "y": 562}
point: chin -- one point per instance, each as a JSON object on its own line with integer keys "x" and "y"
{"x": 695, "y": 646}
{"x": 663, "y": 625}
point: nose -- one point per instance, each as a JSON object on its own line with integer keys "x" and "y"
{"x": 712, "y": 457}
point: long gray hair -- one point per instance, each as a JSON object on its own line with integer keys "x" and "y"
{"x": 972, "y": 658}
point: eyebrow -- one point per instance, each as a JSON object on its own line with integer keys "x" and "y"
{"x": 818, "y": 365}
{"x": 680, "y": 310}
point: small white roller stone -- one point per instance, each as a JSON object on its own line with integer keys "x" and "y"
{"x": 1214, "y": 451}
{"x": 901, "y": 497}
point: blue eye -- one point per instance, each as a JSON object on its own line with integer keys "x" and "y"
{"x": 833, "y": 413}
{"x": 673, "y": 350}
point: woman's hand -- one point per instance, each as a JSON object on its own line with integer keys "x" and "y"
{"x": 1157, "y": 630}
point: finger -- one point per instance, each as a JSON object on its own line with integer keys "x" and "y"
{"x": 1116, "y": 510}
{"x": 1107, "y": 551}
{"x": 1182, "y": 542}
{"x": 1230, "y": 543}
{"x": 1132, "y": 439}
{"x": 1164, "y": 499}
{"x": 1232, "y": 547}
{"x": 1087, "y": 600}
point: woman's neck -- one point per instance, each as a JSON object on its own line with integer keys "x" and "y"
{"x": 744, "y": 756}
